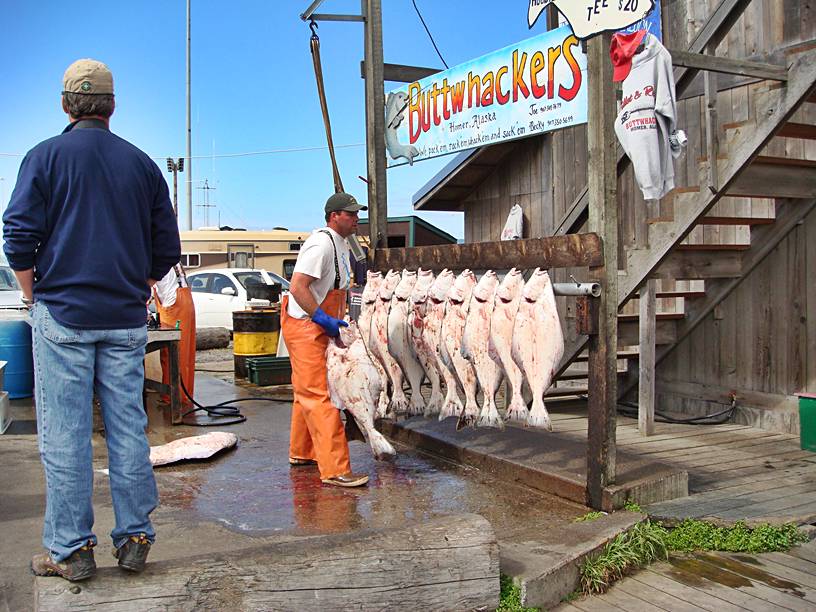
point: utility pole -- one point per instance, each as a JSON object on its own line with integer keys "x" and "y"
{"x": 175, "y": 167}
{"x": 206, "y": 205}
{"x": 375, "y": 124}
{"x": 189, "y": 132}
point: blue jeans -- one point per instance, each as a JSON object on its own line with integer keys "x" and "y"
{"x": 69, "y": 364}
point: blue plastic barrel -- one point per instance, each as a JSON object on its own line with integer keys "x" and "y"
{"x": 15, "y": 348}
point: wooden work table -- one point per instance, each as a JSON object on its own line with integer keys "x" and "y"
{"x": 166, "y": 337}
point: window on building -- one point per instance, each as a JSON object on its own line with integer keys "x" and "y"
{"x": 190, "y": 260}
{"x": 288, "y": 268}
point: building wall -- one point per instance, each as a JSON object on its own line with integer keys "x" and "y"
{"x": 761, "y": 339}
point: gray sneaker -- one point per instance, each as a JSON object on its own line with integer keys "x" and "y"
{"x": 132, "y": 554}
{"x": 79, "y": 566}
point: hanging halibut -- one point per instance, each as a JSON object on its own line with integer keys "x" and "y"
{"x": 416, "y": 326}
{"x": 354, "y": 385}
{"x": 453, "y": 328}
{"x": 538, "y": 342}
{"x": 476, "y": 347}
{"x": 434, "y": 315}
{"x": 379, "y": 344}
{"x": 508, "y": 297}
{"x": 399, "y": 340}
{"x": 374, "y": 281}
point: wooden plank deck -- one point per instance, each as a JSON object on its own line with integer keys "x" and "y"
{"x": 736, "y": 472}
{"x": 718, "y": 582}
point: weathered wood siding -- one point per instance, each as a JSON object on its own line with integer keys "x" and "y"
{"x": 743, "y": 348}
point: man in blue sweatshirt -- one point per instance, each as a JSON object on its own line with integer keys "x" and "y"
{"x": 89, "y": 228}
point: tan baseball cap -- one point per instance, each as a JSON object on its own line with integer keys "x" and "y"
{"x": 87, "y": 76}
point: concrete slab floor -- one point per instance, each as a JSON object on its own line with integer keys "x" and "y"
{"x": 250, "y": 494}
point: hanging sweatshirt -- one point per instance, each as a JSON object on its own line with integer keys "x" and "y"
{"x": 648, "y": 117}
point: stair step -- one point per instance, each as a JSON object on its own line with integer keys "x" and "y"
{"x": 564, "y": 391}
{"x": 660, "y": 316}
{"x": 713, "y": 247}
{"x": 697, "y": 265}
{"x": 772, "y": 160}
{"x": 621, "y": 355}
{"x": 581, "y": 375}
{"x": 688, "y": 295}
{"x": 712, "y": 220}
{"x": 629, "y": 332}
{"x": 798, "y": 130}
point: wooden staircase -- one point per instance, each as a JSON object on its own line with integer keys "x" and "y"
{"x": 698, "y": 273}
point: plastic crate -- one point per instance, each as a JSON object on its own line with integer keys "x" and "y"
{"x": 266, "y": 371}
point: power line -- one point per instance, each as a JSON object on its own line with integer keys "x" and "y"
{"x": 243, "y": 154}
{"x": 433, "y": 42}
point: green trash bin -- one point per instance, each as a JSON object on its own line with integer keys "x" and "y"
{"x": 807, "y": 421}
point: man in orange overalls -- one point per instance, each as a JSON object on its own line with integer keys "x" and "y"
{"x": 311, "y": 314}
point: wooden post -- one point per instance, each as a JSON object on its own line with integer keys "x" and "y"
{"x": 603, "y": 219}
{"x": 712, "y": 127}
{"x": 375, "y": 125}
{"x": 646, "y": 379}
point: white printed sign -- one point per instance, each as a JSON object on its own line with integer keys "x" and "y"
{"x": 590, "y": 17}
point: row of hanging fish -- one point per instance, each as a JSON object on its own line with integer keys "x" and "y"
{"x": 460, "y": 335}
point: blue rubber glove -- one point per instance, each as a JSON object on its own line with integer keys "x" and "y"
{"x": 329, "y": 324}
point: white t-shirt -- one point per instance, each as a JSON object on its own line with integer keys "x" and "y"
{"x": 316, "y": 259}
{"x": 166, "y": 288}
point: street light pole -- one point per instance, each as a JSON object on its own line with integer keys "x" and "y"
{"x": 189, "y": 133}
{"x": 175, "y": 167}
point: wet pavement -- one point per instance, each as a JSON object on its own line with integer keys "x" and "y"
{"x": 250, "y": 493}
{"x": 253, "y": 490}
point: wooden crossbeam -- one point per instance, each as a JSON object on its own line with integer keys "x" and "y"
{"x": 724, "y": 65}
{"x": 576, "y": 250}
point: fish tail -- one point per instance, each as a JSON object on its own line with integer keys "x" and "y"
{"x": 381, "y": 447}
{"x": 539, "y": 417}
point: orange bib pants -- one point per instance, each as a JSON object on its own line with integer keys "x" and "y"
{"x": 184, "y": 311}
{"x": 317, "y": 431}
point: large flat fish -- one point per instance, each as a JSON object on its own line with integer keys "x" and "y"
{"x": 374, "y": 281}
{"x": 399, "y": 340}
{"x": 354, "y": 385}
{"x": 453, "y": 328}
{"x": 416, "y": 327}
{"x": 192, "y": 447}
{"x": 538, "y": 342}
{"x": 379, "y": 345}
{"x": 432, "y": 332}
{"x": 508, "y": 297}
{"x": 476, "y": 347}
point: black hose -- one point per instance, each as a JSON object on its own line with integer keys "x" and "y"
{"x": 224, "y": 412}
{"x": 698, "y": 420}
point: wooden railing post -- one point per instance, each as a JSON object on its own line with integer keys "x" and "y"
{"x": 646, "y": 379}
{"x": 603, "y": 219}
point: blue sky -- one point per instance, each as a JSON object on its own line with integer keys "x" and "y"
{"x": 253, "y": 89}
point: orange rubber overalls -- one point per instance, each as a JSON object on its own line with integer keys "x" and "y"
{"x": 183, "y": 311}
{"x": 317, "y": 431}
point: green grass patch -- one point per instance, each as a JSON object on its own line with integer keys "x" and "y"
{"x": 691, "y": 535}
{"x": 589, "y": 516}
{"x": 510, "y": 600}
{"x": 647, "y": 542}
{"x": 642, "y": 544}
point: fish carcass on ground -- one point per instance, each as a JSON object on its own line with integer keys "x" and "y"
{"x": 399, "y": 340}
{"x": 379, "y": 344}
{"x": 416, "y": 326}
{"x": 374, "y": 281}
{"x": 538, "y": 342}
{"x": 476, "y": 347}
{"x": 432, "y": 332}
{"x": 192, "y": 447}
{"x": 355, "y": 386}
{"x": 502, "y": 322}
